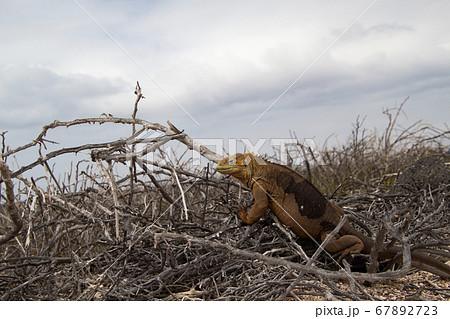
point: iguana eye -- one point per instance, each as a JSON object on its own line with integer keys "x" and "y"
{"x": 246, "y": 161}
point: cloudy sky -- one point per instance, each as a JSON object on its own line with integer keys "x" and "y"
{"x": 225, "y": 63}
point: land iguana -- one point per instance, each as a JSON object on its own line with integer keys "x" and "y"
{"x": 301, "y": 207}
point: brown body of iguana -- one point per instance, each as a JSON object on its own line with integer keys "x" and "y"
{"x": 301, "y": 207}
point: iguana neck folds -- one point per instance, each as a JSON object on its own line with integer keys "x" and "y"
{"x": 301, "y": 207}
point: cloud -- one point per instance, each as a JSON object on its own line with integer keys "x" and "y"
{"x": 224, "y": 61}
{"x": 250, "y": 54}
{"x": 36, "y": 95}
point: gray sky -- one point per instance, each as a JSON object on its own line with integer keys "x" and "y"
{"x": 225, "y": 63}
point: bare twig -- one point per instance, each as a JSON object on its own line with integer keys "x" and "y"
{"x": 277, "y": 261}
{"x": 114, "y": 189}
{"x": 182, "y": 195}
{"x": 200, "y": 250}
{"x": 316, "y": 254}
{"x": 10, "y": 206}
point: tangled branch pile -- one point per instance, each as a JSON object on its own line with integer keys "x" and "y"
{"x": 166, "y": 231}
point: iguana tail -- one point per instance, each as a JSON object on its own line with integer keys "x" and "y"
{"x": 421, "y": 261}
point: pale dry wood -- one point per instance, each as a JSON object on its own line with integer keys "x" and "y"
{"x": 206, "y": 254}
{"x": 341, "y": 274}
{"x": 11, "y": 208}
{"x": 115, "y": 190}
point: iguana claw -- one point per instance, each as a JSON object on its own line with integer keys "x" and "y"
{"x": 302, "y": 208}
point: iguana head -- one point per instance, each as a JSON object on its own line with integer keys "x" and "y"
{"x": 241, "y": 166}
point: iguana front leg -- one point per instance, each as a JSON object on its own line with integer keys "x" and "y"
{"x": 342, "y": 246}
{"x": 258, "y": 209}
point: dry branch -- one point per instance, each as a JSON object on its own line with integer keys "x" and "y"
{"x": 11, "y": 208}
{"x": 114, "y": 189}
{"x": 316, "y": 254}
{"x": 341, "y": 274}
{"x": 200, "y": 250}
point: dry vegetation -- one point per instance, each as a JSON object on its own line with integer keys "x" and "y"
{"x": 167, "y": 231}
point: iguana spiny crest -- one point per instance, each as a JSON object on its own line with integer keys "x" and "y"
{"x": 302, "y": 208}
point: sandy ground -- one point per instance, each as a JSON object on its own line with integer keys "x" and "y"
{"x": 418, "y": 286}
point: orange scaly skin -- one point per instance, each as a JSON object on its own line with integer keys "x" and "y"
{"x": 301, "y": 207}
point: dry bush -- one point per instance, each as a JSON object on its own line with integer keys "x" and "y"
{"x": 166, "y": 231}
{"x": 371, "y": 161}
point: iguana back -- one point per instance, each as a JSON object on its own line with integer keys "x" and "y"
{"x": 301, "y": 207}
